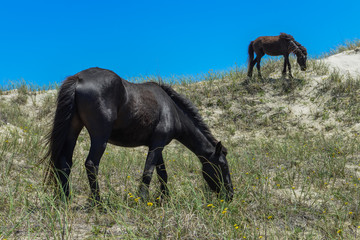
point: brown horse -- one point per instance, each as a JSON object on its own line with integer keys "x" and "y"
{"x": 284, "y": 44}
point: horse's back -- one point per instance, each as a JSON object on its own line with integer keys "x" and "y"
{"x": 148, "y": 113}
{"x": 271, "y": 45}
{"x": 96, "y": 74}
{"x": 134, "y": 113}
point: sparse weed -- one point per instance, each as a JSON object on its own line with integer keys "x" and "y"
{"x": 22, "y": 94}
{"x": 347, "y": 45}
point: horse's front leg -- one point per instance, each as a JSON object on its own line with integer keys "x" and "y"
{"x": 286, "y": 59}
{"x": 162, "y": 175}
{"x": 289, "y": 67}
{"x": 153, "y": 158}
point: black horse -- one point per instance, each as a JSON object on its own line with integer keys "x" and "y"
{"x": 284, "y": 44}
{"x": 130, "y": 115}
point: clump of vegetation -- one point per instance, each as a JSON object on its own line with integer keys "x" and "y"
{"x": 22, "y": 94}
{"x": 293, "y": 152}
{"x": 346, "y": 46}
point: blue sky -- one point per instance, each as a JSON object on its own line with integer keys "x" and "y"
{"x": 43, "y": 42}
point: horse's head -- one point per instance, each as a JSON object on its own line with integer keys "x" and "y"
{"x": 301, "y": 54}
{"x": 216, "y": 172}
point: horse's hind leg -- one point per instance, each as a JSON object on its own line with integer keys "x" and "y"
{"x": 259, "y": 54}
{"x": 251, "y": 67}
{"x": 258, "y": 59}
{"x": 65, "y": 160}
{"x": 98, "y": 118}
{"x": 289, "y": 67}
{"x": 98, "y": 145}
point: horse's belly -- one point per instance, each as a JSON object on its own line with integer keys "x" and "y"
{"x": 127, "y": 139}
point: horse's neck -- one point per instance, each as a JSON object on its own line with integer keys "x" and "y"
{"x": 196, "y": 141}
{"x": 293, "y": 47}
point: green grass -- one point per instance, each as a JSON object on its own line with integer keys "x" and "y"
{"x": 295, "y": 176}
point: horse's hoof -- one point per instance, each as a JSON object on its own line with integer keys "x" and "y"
{"x": 143, "y": 193}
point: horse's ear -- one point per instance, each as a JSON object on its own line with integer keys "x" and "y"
{"x": 218, "y": 148}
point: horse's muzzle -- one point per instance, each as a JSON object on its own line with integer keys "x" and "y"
{"x": 229, "y": 193}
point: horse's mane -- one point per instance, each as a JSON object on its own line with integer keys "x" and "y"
{"x": 191, "y": 111}
{"x": 289, "y": 38}
{"x": 286, "y": 36}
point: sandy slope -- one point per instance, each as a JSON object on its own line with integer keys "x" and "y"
{"x": 346, "y": 62}
{"x": 305, "y": 108}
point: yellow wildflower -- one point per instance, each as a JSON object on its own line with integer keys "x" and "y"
{"x": 224, "y": 211}
{"x": 150, "y": 204}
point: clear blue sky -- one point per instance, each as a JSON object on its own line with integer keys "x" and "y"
{"x": 45, "y": 41}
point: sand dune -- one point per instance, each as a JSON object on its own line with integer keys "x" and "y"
{"x": 347, "y": 62}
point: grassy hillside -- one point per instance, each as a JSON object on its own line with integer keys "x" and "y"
{"x": 294, "y": 154}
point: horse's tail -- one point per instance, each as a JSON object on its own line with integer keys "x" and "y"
{"x": 250, "y": 53}
{"x": 60, "y": 128}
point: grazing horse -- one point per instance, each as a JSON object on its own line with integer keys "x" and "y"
{"x": 126, "y": 114}
{"x": 284, "y": 44}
